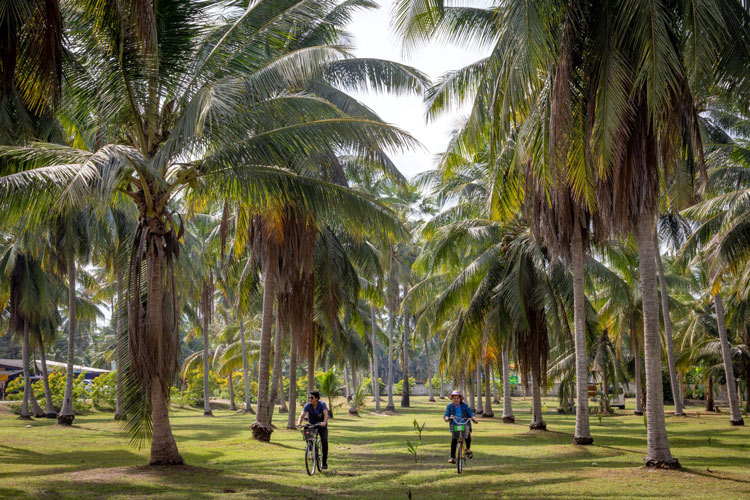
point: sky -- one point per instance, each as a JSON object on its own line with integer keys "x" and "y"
{"x": 374, "y": 38}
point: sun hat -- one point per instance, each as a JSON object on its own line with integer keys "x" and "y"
{"x": 457, "y": 393}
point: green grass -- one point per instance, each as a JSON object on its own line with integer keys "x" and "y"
{"x": 369, "y": 459}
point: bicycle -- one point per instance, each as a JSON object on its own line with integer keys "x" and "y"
{"x": 461, "y": 430}
{"x": 313, "y": 457}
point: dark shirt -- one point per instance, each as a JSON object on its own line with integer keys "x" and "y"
{"x": 461, "y": 412}
{"x": 315, "y": 413}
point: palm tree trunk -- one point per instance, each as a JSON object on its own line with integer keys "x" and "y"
{"x": 405, "y": 402}
{"x": 36, "y": 410}
{"x": 637, "y": 357}
{"x": 121, "y": 346}
{"x": 66, "y": 415}
{"x": 488, "y": 413}
{"x": 606, "y": 408}
{"x": 746, "y": 341}
{"x": 230, "y": 386}
{"x": 391, "y": 324}
{"x": 276, "y": 377}
{"x": 292, "y": 417}
{"x": 48, "y": 405}
{"x": 582, "y": 434}
{"x": 25, "y": 415}
{"x": 442, "y": 385}
{"x": 508, "y": 417}
{"x": 495, "y": 387}
{"x": 262, "y": 427}
{"x": 726, "y": 356}
{"x": 657, "y": 454}
{"x": 674, "y": 379}
{"x": 347, "y": 392}
{"x": 480, "y": 404}
{"x": 311, "y": 366}
{"x": 537, "y": 419}
{"x": 353, "y": 402}
{"x": 163, "y": 447}
{"x": 375, "y": 377}
{"x": 472, "y": 395}
{"x": 709, "y": 393}
{"x": 245, "y": 370}
{"x": 206, "y": 387}
{"x": 429, "y": 373}
{"x": 282, "y": 397}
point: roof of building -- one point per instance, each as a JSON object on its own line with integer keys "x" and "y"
{"x": 17, "y": 363}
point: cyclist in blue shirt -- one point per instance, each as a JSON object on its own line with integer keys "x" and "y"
{"x": 461, "y": 411}
{"x": 316, "y": 412}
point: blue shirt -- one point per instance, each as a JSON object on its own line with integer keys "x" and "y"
{"x": 315, "y": 413}
{"x": 461, "y": 412}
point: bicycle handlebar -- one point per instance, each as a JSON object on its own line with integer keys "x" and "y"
{"x": 465, "y": 420}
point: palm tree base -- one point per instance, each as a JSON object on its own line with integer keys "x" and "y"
{"x": 672, "y": 464}
{"x": 119, "y": 416}
{"x": 171, "y": 461}
{"x": 509, "y": 419}
{"x": 25, "y": 417}
{"x": 50, "y": 415}
{"x": 737, "y": 422}
{"x": 283, "y": 410}
{"x": 391, "y": 409}
{"x": 353, "y": 412}
{"x": 432, "y": 399}
{"x": 583, "y": 441}
{"x": 639, "y": 413}
{"x": 680, "y": 414}
{"x": 538, "y": 426}
{"x": 208, "y": 413}
{"x": 250, "y": 411}
{"x": 488, "y": 414}
{"x": 65, "y": 419}
{"x": 262, "y": 432}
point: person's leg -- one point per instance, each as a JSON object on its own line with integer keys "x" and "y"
{"x": 324, "y": 442}
{"x": 454, "y": 443}
{"x": 468, "y": 442}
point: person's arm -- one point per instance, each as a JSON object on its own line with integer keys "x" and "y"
{"x": 447, "y": 412}
{"x": 325, "y": 418}
{"x": 302, "y": 417}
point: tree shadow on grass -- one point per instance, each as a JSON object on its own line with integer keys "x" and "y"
{"x": 59, "y": 463}
{"x": 171, "y": 482}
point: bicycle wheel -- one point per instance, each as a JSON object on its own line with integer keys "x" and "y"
{"x": 310, "y": 462}
{"x": 460, "y": 456}
{"x": 318, "y": 455}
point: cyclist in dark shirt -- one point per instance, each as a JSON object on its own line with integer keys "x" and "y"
{"x": 316, "y": 412}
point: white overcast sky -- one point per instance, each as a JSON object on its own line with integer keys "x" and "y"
{"x": 373, "y": 37}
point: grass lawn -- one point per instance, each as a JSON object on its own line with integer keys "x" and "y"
{"x": 369, "y": 459}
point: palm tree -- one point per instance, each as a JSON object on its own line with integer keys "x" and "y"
{"x": 71, "y": 237}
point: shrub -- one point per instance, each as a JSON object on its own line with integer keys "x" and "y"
{"x": 193, "y": 394}
{"x": 104, "y": 391}
{"x": 57, "y": 391}
{"x": 368, "y": 385}
{"x": 398, "y": 387}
